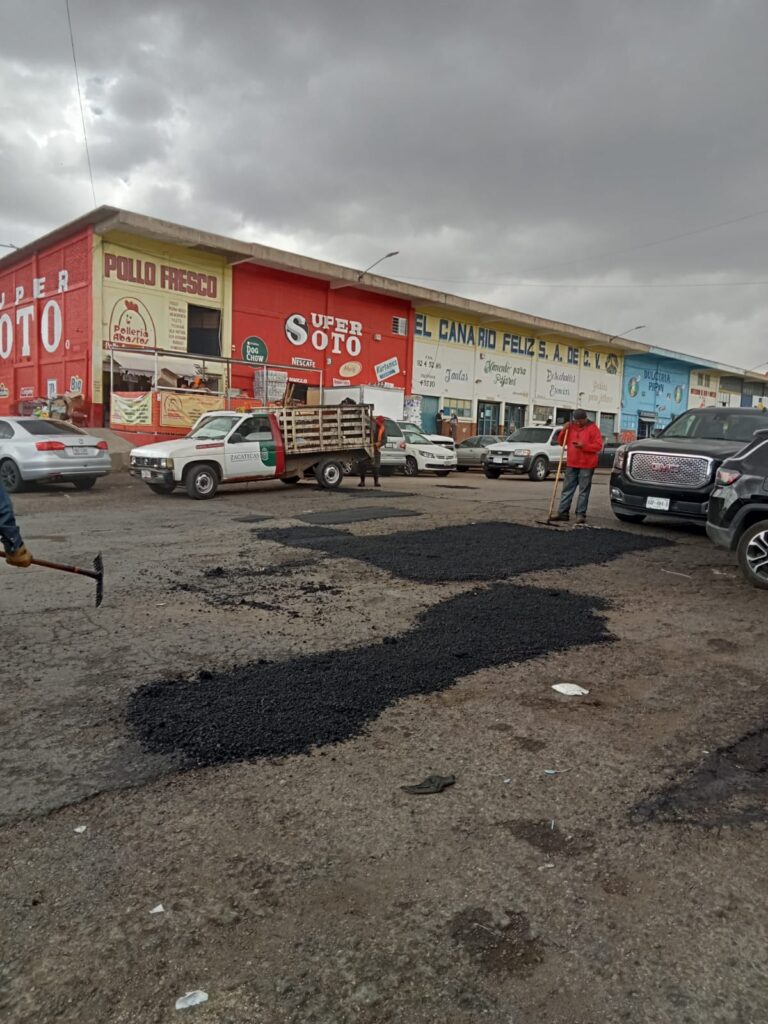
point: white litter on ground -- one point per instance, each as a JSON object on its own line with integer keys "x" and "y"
{"x": 570, "y": 689}
{"x": 191, "y": 999}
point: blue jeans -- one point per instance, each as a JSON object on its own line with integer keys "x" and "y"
{"x": 581, "y": 478}
{"x": 9, "y": 531}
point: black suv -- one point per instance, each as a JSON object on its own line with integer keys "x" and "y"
{"x": 673, "y": 473}
{"x": 738, "y": 509}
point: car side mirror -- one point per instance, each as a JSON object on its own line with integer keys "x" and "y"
{"x": 656, "y": 432}
{"x": 236, "y": 438}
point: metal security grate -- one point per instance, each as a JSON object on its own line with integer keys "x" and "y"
{"x": 400, "y": 326}
{"x": 668, "y": 470}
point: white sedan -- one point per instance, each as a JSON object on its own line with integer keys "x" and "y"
{"x": 424, "y": 455}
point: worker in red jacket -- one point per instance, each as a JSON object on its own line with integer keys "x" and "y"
{"x": 583, "y": 442}
{"x": 378, "y": 439}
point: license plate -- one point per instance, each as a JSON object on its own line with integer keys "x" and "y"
{"x": 146, "y": 474}
{"x": 79, "y": 452}
{"x": 496, "y": 458}
{"x": 658, "y": 504}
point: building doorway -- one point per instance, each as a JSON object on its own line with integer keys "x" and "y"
{"x": 646, "y": 424}
{"x": 429, "y": 408}
{"x": 608, "y": 425}
{"x": 488, "y": 417}
{"x": 514, "y": 417}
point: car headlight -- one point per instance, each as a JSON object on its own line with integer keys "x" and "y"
{"x": 424, "y": 455}
{"x": 166, "y": 463}
{"x": 522, "y": 451}
{"x": 620, "y": 458}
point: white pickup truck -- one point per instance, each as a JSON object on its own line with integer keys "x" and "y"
{"x": 235, "y": 447}
{"x": 531, "y": 450}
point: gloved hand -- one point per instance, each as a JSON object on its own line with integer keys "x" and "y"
{"x": 21, "y": 558}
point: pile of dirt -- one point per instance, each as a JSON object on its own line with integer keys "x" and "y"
{"x": 260, "y": 709}
{"x": 729, "y": 788}
{"x": 476, "y": 551}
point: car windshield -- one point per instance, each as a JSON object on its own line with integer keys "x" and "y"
{"x": 40, "y": 428}
{"x": 725, "y": 426}
{"x": 531, "y": 434}
{"x": 415, "y": 436}
{"x": 214, "y": 428}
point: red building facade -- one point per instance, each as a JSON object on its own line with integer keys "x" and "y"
{"x": 318, "y": 335}
{"x": 46, "y": 329}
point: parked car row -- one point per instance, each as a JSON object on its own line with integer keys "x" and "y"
{"x": 49, "y": 451}
{"x": 708, "y": 466}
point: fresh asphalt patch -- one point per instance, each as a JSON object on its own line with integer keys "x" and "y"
{"x": 475, "y": 551}
{"x": 275, "y": 709}
{"x": 730, "y": 787}
{"x": 356, "y": 515}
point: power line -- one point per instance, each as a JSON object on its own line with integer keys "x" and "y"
{"x": 647, "y": 245}
{"x": 577, "y": 284}
{"x": 80, "y": 100}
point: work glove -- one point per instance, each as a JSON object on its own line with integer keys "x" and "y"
{"x": 21, "y": 558}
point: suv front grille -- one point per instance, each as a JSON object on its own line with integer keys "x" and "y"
{"x": 666, "y": 470}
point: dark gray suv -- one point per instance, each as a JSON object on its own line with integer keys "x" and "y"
{"x": 672, "y": 475}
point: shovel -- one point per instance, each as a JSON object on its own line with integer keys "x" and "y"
{"x": 97, "y": 573}
{"x": 548, "y": 520}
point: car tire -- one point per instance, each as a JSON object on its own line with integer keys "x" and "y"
{"x": 462, "y": 469}
{"x": 202, "y": 482}
{"x": 290, "y": 479}
{"x": 411, "y": 466}
{"x": 629, "y": 517}
{"x": 752, "y": 552}
{"x": 10, "y": 476}
{"x": 442, "y": 472}
{"x": 86, "y": 483}
{"x": 329, "y": 473}
{"x": 491, "y": 472}
{"x": 162, "y": 488}
{"x": 539, "y": 469}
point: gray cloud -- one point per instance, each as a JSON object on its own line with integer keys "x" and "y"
{"x": 494, "y": 142}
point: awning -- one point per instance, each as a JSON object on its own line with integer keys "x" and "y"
{"x": 145, "y": 363}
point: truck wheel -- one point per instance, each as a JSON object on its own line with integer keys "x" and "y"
{"x": 539, "y": 469}
{"x": 752, "y": 553}
{"x": 202, "y": 482}
{"x": 11, "y": 477}
{"x": 491, "y": 472}
{"x": 411, "y": 466}
{"x": 162, "y": 488}
{"x": 329, "y": 474}
{"x": 290, "y": 479}
{"x": 629, "y": 517}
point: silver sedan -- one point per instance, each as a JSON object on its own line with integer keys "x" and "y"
{"x": 49, "y": 451}
{"x": 473, "y": 450}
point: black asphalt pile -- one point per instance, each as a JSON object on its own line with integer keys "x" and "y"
{"x": 477, "y": 551}
{"x": 267, "y": 710}
{"x": 729, "y": 788}
{"x": 356, "y": 515}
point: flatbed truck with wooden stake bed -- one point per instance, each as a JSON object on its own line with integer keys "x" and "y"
{"x": 236, "y": 447}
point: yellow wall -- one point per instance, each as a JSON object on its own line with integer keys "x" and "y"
{"x": 141, "y": 293}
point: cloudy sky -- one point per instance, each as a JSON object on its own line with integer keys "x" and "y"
{"x": 602, "y": 162}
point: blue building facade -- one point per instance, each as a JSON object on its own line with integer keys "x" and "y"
{"x": 654, "y": 391}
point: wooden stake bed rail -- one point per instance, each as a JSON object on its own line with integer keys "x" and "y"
{"x": 325, "y": 428}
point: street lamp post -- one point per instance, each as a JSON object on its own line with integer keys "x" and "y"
{"x": 623, "y": 334}
{"x": 381, "y": 259}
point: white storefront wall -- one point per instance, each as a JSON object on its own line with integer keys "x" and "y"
{"x": 494, "y": 366}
